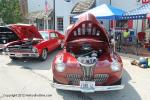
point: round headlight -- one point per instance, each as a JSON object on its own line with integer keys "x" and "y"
{"x": 115, "y": 66}
{"x": 60, "y": 67}
{"x": 34, "y": 49}
{"x": 7, "y": 49}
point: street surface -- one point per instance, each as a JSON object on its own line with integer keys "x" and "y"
{"x": 31, "y": 80}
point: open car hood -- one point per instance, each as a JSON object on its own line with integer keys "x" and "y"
{"x": 86, "y": 27}
{"x": 24, "y": 31}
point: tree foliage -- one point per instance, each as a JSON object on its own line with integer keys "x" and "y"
{"x": 10, "y": 11}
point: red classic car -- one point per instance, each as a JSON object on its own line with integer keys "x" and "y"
{"x": 32, "y": 43}
{"x": 87, "y": 63}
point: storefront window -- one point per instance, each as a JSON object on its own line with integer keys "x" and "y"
{"x": 60, "y": 23}
{"x": 71, "y": 20}
{"x": 122, "y": 24}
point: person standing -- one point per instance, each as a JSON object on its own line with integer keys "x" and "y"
{"x": 126, "y": 34}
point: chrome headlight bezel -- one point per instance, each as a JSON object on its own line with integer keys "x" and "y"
{"x": 34, "y": 50}
{"x": 115, "y": 66}
{"x": 60, "y": 67}
{"x": 7, "y": 49}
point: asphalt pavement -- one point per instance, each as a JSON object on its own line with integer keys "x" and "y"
{"x": 30, "y": 79}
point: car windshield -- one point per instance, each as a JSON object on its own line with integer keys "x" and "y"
{"x": 45, "y": 35}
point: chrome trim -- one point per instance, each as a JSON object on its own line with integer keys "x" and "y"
{"x": 87, "y": 65}
{"x": 77, "y": 88}
{"x": 74, "y": 78}
{"x": 101, "y": 78}
{"x": 26, "y": 54}
{"x": 87, "y": 73}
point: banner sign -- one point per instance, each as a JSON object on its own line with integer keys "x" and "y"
{"x": 145, "y": 1}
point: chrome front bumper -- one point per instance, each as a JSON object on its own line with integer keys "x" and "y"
{"x": 77, "y": 88}
{"x": 20, "y": 55}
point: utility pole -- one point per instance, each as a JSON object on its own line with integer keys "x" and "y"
{"x": 109, "y": 20}
{"x": 47, "y": 21}
{"x": 54, "y": 12}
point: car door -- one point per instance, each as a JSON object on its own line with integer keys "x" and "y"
{"x": 47, "y": 43}
{"x": 54, "y": 40}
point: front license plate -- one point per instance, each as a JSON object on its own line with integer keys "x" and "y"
{"x": 18, "y": 55}
{"x": 87, "y": 86}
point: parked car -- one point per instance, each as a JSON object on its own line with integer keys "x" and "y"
{"x": 87, "y": 63}
{"x": 6, "y": 35}
{"x": 32, "y": 43}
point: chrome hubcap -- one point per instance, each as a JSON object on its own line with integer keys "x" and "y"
{"x": 44, "y": 54}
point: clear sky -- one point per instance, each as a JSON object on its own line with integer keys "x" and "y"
{"x": 35, "y": 5}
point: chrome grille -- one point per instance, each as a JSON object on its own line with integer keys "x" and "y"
{"x": 87, "y": 64}
{"x": 76, "y": 78}
{"x": 73, "y": 78}
{"x": 87, "y": 73}
{"x": 13, "y": 49}
{"x": 101, "y": 78}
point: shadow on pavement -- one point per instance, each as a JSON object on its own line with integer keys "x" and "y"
{"x": 128, "y": 93}
{"x": 34, "y": 63}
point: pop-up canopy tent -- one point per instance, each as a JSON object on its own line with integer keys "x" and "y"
{"x": 141, "y": 12}
{"x": 104, "y": 11}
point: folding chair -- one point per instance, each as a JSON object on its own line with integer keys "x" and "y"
{"x": 140, "y": 41}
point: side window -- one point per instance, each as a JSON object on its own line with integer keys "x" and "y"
{"x": 45, "y": 35}
{"x": 53, "y": 35}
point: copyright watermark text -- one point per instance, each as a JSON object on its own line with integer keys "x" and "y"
{"x": 26, "y": 95}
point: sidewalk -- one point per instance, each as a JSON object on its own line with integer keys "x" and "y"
{"x": 133, "y": 51}
{"x": 129, "y": 56}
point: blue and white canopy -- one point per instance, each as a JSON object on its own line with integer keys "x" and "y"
{"x": 138, "y": 13}
{"x": 104, "y": 11}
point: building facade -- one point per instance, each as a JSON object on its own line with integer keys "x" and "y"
{"x": 38, "y": 15}
{"x": 41, "y": 19}
{"x": 63, "y": 14}
{"x": 64, "y": 11}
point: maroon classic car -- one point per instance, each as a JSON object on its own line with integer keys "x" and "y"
{"x": 87, "y": 63}
{"x": 32, "y": 43}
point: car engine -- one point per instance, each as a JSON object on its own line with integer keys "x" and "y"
{"x": 87, "y": 56}
{"x": 22, "y": 45}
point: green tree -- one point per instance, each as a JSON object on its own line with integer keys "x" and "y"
{"x": 10, "y": 11}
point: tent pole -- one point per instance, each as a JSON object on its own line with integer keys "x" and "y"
{"x": 114, "y": 35}
{"x": 137, "y": 26}
{"x": 137, "y": 38}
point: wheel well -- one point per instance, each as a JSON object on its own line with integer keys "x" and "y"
{"x": 42, "y": 50}
{"x": 46, "y": 49}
